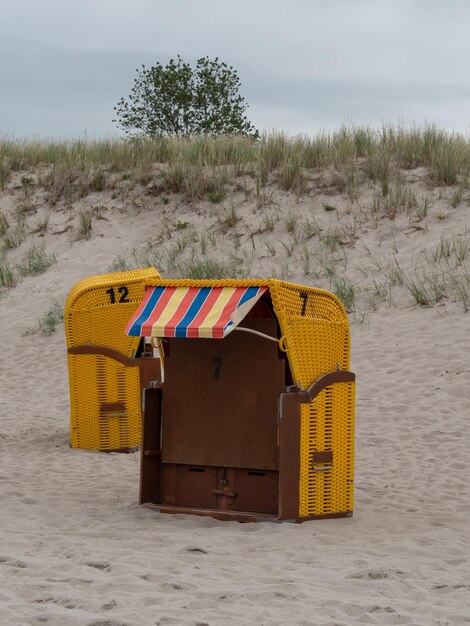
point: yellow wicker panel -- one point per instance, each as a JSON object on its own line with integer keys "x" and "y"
{"x": 316, "y": 347}
{"x": 96, "y": 380}
{"x": 292, "y": 300}
{"x": 99, "y": 307}
{"x": 327, "y": 424}
{"x": 315, "y": 328}
{"x": 97, "y": 311}
{"x": 225, "y": 282}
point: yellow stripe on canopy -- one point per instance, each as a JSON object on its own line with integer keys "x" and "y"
{"x": 205, "y": 330}
{"x": 170, "y": 309}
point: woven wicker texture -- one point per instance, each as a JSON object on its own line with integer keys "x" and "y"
{"x": 327, "y": 423}
{"x": 316, "y": 337}
{"x": 96, "y": 313}
{"x": 315, "y": 329}
{"x": 190, "y": 282}
{"x": 96, "y": 381}
{"x": 93, "y": 309}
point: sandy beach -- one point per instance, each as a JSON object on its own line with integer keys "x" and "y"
{"x": 76, "y": 548}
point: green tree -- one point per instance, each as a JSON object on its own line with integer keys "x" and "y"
{"x": 178, "y": 100}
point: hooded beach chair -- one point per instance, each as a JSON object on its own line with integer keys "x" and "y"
{"x": 254, "y": 416}
{"x": 106, "y": 367}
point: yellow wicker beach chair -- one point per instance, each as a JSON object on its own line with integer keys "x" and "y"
{"x": 315, "y": 335}
{"x": 104, "y": 375}
{"x": 255, "y": 416}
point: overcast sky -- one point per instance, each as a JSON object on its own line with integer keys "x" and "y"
{"x": 305, "y": 65}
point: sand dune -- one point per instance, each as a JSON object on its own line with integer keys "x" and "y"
{"x": 75, "y": 547}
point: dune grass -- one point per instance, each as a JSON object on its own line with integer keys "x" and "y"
{"x": 36, "y": 260}
{"x": 50, "y": 321}
{"x": 7, "y": 273}
{"x": 380, "y": 151}
{"x": 207, "y": 168}
{"x": 227, "y": 171}
{"x": 204, "y": 167}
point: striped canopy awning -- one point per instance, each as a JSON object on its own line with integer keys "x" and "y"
{"x": 192, "y": 312}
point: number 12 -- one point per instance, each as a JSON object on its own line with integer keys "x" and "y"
{"x": 124, "y": 294}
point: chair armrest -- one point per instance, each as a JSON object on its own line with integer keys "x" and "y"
{"x": 103, "y": 351}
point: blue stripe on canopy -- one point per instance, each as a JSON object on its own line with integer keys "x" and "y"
{"x": 251, "y": 292}
{"x": 154, "y": 296}
{"x": 193, "y": 310}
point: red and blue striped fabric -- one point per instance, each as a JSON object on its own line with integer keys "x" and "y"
{"x": 192, "y": 312}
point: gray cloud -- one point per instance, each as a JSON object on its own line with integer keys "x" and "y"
{"x": 304, "y": 65}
